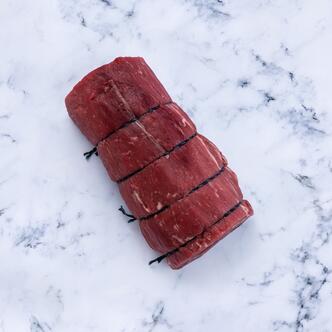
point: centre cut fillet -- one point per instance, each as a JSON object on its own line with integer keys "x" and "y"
{"x": 175, "y": 181}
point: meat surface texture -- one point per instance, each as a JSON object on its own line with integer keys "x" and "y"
{"x": 175, "y": 181}
{"x": 112, "y": 95}
{"x": 134, "y": 147}
{"x": 171, "y": 177}
{"x": 189, "y": 216}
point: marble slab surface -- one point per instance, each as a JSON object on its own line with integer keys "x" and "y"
{"x": 256, "y": 77}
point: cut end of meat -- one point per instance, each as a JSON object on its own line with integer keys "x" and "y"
{"x": 112, "y": 95}
{"x": 196, "y": 247}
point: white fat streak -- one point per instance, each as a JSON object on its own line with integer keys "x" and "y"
{"x": 208, "y": 151}
{"x": 183, "y": 120}
{"x": 245, "y": 208}
{"x": 155, "y": 142}
{"x": 138, "y": 198}
{"x": 118, "y": 93}
{"x": 159, "y": 206}
{"x": 178, "y": 239}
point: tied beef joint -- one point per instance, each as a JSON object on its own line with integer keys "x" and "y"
{"x": 176, "y": 183}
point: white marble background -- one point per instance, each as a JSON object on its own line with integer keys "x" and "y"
{"x": 255, "y": 75}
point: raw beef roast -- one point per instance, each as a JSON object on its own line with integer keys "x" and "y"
{"x": 175, "y": 181}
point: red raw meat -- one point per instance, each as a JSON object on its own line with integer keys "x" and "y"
{"x": 175, "y": 181}
{"x": 208, "y": 238}
{"x": 112, "y": 95}
{"x": 191, "y": 215}
{"x": 138, "y": 144}
{"x": 170, "y": 177}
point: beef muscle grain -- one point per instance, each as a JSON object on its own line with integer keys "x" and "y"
{"x": 171, "y": 177}
{"x": 112, "y": 95}
{"x": 175, "y": 182}
{"x": 133, "y": 147}
{"x": 190, "y": 215}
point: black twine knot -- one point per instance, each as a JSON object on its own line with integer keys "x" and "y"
{"x": 131, "y": 216}
{"x": 159, "y": 259}
{"x": 88, "y": 154}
